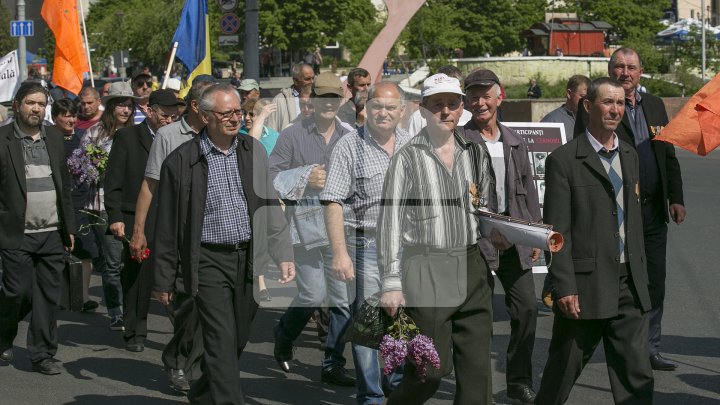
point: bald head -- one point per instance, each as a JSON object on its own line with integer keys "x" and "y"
{"x": 385, "y": 108}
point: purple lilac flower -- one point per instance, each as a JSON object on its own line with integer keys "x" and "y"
{"x": 393, "y": 351}
{"x": 422, "y": 351}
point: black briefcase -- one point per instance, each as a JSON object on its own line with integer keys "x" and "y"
{"x": 71, "y": 291}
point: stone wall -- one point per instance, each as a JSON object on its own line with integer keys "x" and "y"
{"x": 518, "y": 70}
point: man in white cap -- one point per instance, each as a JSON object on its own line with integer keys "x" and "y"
{"x": 432, "y": 189}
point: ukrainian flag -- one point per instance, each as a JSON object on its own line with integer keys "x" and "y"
{"x": 193, "y": 38}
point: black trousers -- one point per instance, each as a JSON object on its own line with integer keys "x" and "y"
{"x": 460, "y": 322}
{"x": 226, "y": 306}
{"x": 185, "y": 350}
{"x": 31, "y": 283}
{"x": 655, "y": 235}
{"x": 624, "y": 338}
{"x": 137, "y": 283}
{"x": 521, "y": 306}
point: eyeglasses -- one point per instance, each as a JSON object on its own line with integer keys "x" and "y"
{"x": 162, "y": 115}
{"x": 226, "y": 115}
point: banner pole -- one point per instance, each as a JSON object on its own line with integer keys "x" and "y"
{"x": 169, "y": 66}
{"x": 87, "y": 47}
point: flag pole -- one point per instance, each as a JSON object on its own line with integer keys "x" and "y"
{"x": 169, "y": 66}
{"x": 87, "y": 47}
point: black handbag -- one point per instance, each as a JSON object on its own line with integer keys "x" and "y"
{"x": 71, "y": 290}
{"x": 369, "y": 324}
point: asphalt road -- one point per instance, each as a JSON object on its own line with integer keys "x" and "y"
{"x": 97, "y": 369}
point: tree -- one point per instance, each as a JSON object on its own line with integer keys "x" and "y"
{"x": 7, "y": 43}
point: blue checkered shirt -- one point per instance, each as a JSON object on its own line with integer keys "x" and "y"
{"x": 226, "y": 219}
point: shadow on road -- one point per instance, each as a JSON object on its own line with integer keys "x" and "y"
{"x": 121, "y": 400}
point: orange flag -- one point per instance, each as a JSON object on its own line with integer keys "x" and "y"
{"x": 696, "y": 127}
{"x": 70, "y": 60}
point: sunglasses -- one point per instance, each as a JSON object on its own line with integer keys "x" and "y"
{"x": 147, "y": 83}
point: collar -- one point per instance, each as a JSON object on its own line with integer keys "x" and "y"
{"x": 422, "y": 139}
{"x": 19, "y": 134}
{"x": 152, "y": 133}
{"x": 185, "y": 128}
{"x": 598, "y": 146}
{"x": 638, "y": 99}
{"x": 207, "y": 146}
{"x": 365, "y": 133}
{"x": 294, "y": 92}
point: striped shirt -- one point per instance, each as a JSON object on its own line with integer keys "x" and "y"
{"x": 226, "y": 219}
{"x": 356, "y": 175}
{"x": 425, "y": 204}
{"x": 41, "y": 214}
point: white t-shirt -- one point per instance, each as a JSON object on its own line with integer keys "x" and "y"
{"x": 497, "y": 155}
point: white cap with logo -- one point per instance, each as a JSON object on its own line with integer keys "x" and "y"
{"x": 441, "y": 83}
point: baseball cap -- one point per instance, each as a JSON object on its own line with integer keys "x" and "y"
{"x": 481, "y": 77}
{"x": 328, "y": 83}
{"x": 441, "y": 83}
{"x": 165, "y": 98}
{"x": 249, "y": 85}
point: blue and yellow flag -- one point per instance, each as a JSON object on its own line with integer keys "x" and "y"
{"x": 193, "y": 38}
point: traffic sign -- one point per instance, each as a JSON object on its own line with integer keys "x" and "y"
{"x": 227, "y": 5}
{"x": 229, "y": 23}
{"x": 22, "y": 28}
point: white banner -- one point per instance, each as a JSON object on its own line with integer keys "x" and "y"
{"x": 9, "y": 76}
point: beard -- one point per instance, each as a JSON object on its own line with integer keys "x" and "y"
{"x": 30, "y": 120}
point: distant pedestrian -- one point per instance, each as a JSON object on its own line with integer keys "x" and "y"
{"x": 534, "y": 90}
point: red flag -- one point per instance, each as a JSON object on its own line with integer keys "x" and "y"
{"x": 696, "y": 127}
{"x": 70, "y": 60}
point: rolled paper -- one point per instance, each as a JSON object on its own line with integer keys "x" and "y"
{"x": 521, "y": 232}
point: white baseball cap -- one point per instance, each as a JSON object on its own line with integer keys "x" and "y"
{"x": 441, "y": 83}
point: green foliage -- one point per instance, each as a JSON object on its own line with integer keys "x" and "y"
{"x": 357, "y": 36}
{"x": 556, "y": 90}
{"x": 7, "y": 43}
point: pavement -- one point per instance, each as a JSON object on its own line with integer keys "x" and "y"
{"x": 98, "y": 370}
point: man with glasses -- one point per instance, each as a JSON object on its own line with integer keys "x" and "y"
{"x": 141, "y": 87}
{"x": 123, "y": 177}
{"x": 298, "y": 166}
{"x": 218, "y": 219}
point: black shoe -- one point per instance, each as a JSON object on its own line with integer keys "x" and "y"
{"x": 178, "y": 381}
{"x": 90, "y": 306}
{"x": 117, "y": 324}
{"x": 282, "y": 351}
{"x": 7, "y": 354}
{"x": 337, "y": 376}
{"x": 135, "y": 347}
{"x": 523, "y": 393}
{"x": 46, "y": 367}
{"x": 658, "y": 362}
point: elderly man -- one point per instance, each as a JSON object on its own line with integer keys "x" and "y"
{"x": 661, "y": 192}
{"x": 141, "y": 86}
{"x": 217, "y": 221}
{"x": 182, "y": 354}
{"x": 352, "y": 197}
{"x": 248, "y": 88}
{"x": 90, "y": 110}
{"x": 600, "y": 282}
{"x": 427, "y": 216}
{"x": 516, "y": 197}
{"x": 123, "y": 177}
{"x": 575, "y": 90}
{"x": 358, "y": 82}
{"x": 288, "y": 100}
{"x": 37, "y": 222}
{"x": 298, "y": 164}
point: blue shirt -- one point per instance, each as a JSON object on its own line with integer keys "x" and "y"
{"x": 226, "y": 219}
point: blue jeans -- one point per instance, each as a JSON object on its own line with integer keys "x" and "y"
{"x": 315, "y": 283}
{"x": 109, "y": 264}
{"x": 370, "y": 380}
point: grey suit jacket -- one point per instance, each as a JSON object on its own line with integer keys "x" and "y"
{"x": 580, "y": 204}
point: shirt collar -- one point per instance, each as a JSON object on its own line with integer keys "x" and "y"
{"x": 19, "y": 134}
{"x": 185, "y": 128}
{"x": 638, "y": 99}
{"x": 598, "y": 146}
{"x": 207, "y": 147}
{"x": 423, "y": 139}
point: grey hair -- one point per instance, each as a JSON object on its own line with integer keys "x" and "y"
{"x": 373, "y": 89}
{"x": 206, "y": 100}
{"x": 89, "y": 91}
{"x": 623, "y": 51}
{"x": 297, "y": 70}
{"x": 496, "y": 87}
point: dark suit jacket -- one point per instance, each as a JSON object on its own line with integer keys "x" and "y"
{"x": 180, "y": 197}
{"x": 580, "y": 204}
{"x": 125, "y": 172}
{"x": 13, "y": 188}
{"x": 668, "y": 165}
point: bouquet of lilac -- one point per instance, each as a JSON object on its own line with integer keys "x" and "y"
{"x": 87, "y": 164}
{"x": 404, "y": 340}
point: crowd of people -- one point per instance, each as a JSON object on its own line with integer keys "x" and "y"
{"x": 350, "y": 200}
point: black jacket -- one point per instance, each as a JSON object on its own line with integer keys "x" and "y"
{"x": 125, "y": 172}
{"x": 522, "y": 197}
{"x": 181, "y": 196}
{"x": 580, "y": 203}
{"x": 13, "y": 188}
{"x": 668, "y": 165}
